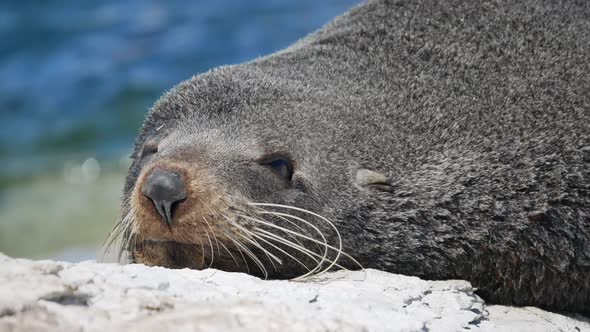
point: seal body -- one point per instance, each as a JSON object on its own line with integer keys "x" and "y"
{"x": 441, "y": 139}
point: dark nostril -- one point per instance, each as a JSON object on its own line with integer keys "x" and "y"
{"x": 166, "y": 189}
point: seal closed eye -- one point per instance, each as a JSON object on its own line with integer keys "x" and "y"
{"x": 441, "y": 139}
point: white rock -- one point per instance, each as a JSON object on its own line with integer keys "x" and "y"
{"x": 54, "y": 296}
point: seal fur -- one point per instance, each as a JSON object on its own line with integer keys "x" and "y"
{"x": 443, "y": 139}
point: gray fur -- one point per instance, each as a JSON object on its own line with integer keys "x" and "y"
{"x": 478, "y": 112}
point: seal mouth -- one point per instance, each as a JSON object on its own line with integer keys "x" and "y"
{"x": 161, "y": 241}
{"x": 171, "y": 254}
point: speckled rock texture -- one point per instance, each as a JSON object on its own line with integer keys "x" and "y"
{"x": 88, "y": 296}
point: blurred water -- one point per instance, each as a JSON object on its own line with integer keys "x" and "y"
{"x": 76, "y": 78}
{"x": 79, "y": 75}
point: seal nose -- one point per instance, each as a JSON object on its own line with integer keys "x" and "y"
{"x": 164, "y": 188}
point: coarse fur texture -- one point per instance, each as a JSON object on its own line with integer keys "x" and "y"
{"x": 476, "y": 112}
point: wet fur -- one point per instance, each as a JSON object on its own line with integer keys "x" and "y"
{"x": 477, "y": 111}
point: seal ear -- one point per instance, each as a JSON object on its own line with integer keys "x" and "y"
{"x": 367, "y": 178}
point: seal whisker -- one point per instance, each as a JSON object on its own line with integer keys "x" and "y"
{"x": 280, "y": 216}
{"x": 199, "y": 238}
{"x": 310, "y": 239}
{"x": 229, "y": 252}
{"x": 283, "y": 251}
{"x": 267, "y": 234}
{"x": 268, "y": 254}
{"x": 324, "y": 256}
{"x": 285, "y": 217}
{"x": 248, "y": 237}
{"x": 134, "y": 243}
{"x": 256, "y": 260}
{"x": 240, "y": 251}
{"x": 202, "y": 253}
{"x": 117, "y": 228}
{"x": 120, "y": 229}
{"x": 214, "y": 237}
{"x": 318, "y": 244}
{"x": 290, "y": 233}
{"x": 111, "y": 238}
{"x": 303, "y": 250}
{"x": 339, "y": 250}
{"x": 128, "y": 233}
{"x": 212, "y": 251}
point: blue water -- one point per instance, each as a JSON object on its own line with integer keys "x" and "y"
{"x": 76, "y": 77}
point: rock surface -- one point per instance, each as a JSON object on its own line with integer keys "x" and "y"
{"x": 88, "y": 296}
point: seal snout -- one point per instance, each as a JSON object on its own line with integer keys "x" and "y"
{"x": 165, "y": 189}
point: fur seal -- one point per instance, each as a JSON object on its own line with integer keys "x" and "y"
{"x": 440, "y": 139}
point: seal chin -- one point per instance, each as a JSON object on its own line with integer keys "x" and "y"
{"x": 166, "y": 253}
{"x": 177, "y": 255}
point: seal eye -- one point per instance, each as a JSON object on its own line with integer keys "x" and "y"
{"x": 150, "y": 147}
{"x": 280, "y": 167}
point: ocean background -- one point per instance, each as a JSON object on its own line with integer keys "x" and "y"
{"x": 76, "y": 79}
